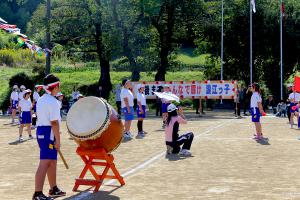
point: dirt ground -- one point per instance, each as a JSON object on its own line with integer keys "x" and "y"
{"x": 225, "y": 164}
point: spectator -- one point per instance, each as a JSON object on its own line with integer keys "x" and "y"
{"x": 270, "y": 104}
{"x": 118, "y": 97}
{"x": 237, "y": 111}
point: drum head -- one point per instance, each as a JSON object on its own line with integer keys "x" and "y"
{"x": 88, "y": 118}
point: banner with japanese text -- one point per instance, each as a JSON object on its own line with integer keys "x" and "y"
{"x": 192, "y": 89}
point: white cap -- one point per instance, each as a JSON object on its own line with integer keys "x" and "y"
{"x": 139, "y": 86}
{"x": 27, "y": 91}
{"x": 171, "y": 108}
{"x": 38, "y": 86}
{"x": 59, "y": 94}
{"x": 289, "y": 85}
{"x": 167, "y": 85}
{"x": 15, "y": 87}
{"x": 23, "y": 87}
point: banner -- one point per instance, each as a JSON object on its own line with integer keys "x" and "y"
{"x": 191, "y": 89}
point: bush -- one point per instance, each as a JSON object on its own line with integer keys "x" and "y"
{"x": 18, "y": 79}
{"x": 20, "y": 57}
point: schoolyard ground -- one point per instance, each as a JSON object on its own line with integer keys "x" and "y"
{"x": 226, "y": 163}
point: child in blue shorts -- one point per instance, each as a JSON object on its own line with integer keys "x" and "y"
{"x": 48, "y": 138}
{"x": 165, "y": 105}
{"x": 14, "y": 100}
{"x": 25, "y": 107}
{"x": 256, "y": 110}
{"x": 141, "y": 109}
{"x": 127, "y": 107}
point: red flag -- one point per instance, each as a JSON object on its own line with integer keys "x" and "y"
{"x": 282, "y": 9}
{"x": 297, "y": 84}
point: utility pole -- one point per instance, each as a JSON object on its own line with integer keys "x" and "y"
{"x": 48, "y": 36}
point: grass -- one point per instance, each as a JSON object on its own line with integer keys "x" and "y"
{"x": 187, "y": 56}
{"x": 69, "y": 80}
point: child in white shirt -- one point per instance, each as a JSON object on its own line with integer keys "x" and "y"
{"x": 25, "y": 107}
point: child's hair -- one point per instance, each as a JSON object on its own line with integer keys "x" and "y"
{"x": 170, "y": 115}
{"x": 256, "y": 87}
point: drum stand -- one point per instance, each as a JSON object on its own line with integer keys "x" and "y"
{"x": 88, "y": 157}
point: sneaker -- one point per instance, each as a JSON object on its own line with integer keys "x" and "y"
{"x": 257, "y": 137}
{"x": 141, "y": 134}
{"x": 185, "y": 152}
{"x": 30, "y": 137}
{"x": 145, "y": 132}
{"x": 21, "y": 139}
{"x": 56, "y": 192}
{"x": 130, "y": 134}
{"x": 127, "y": 135}
{"x": 169, "y": 149}
{"x": 41, "y": 197}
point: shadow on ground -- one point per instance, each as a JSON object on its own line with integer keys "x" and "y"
{"x": 103, "y": 195}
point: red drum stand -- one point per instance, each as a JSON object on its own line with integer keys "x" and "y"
{"x": 91, "y": 158}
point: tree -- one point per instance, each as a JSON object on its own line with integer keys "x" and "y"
{"x": 266, "y": 47}
{"x": 80, "y": 25}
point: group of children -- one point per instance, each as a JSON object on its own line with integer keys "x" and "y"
{"x": 46, "y": 109}
{"x": 21, "y": 102}
{"x": 172, "y": 117}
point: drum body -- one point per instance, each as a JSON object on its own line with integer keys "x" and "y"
{"x": 94, "y": 124}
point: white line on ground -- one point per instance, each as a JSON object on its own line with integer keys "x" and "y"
{"x": 148, "y": 162}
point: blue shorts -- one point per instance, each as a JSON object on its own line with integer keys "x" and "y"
{"x": 291, "y": 107}
{"x": 34, "y": 108}
{"x": 256, "y": 115}
{"x": 14, "y": 104}
{"x": 46, "y": 144}
{"x": 128, "y": 116}
{"x": 165, "y": 107}
{"x": 25, "y": 117}
{"x": 138, "y": 112}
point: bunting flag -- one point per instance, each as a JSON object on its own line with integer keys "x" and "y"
{"x": 253, "y": 6}
{"x": 22, "y": 39}
{"x": 2, "y": 21}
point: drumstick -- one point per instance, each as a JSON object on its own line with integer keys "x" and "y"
{"x": 63, "y": 159}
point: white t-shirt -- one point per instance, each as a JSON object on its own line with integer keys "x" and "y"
{"x": 14, "y": 96}
{"x": 125, "y": 93}
{"x": 141, "y": 98}
{"x": 255, "y": 99}
{"x": 21, "y": 96}
{"x": 294, "y": 97}
{"x": 47, "y": 110}
{"x": 36, "y": 96}
{"x": 25, "y": 105}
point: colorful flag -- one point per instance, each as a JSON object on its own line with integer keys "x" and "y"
{"x": 253, "y": 6}
{"x": 282, "y": 8}
{"x": 297, "y": 84}
{"x": 20, "y": 41}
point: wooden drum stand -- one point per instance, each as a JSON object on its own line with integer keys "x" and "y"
{"x": 91, "y": 158}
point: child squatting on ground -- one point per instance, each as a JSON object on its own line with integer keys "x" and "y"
{"x": 173, "y": 140}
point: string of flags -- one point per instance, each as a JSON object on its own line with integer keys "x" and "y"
{"x": 22, "y": 39}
